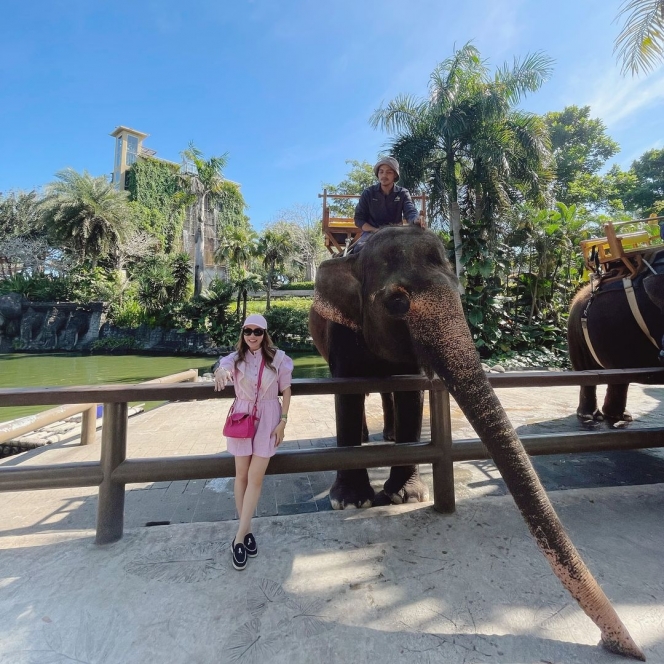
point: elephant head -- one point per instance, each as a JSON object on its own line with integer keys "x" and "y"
{"x": 401, "y": 294}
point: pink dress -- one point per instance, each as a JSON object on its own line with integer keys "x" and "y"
{"x": 245, "y": 379}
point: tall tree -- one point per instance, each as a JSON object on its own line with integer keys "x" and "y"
{"x": 468, "y": 116}
{"x": 236, "y": 246}
{"x": 20, "y": 214}
{"x": 640, "y": 45}
{"x": 275, "y": 248}
{"x": 359, "y": 177}
{"x": 205, "y": 184}
{"x": 580, "y": 147}
{"x": 86, "y": 214}
{"x": 642, "y": 187}
{"x": 303, "y": 222}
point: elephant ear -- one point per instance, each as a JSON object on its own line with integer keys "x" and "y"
{"x": 338, "y": 295}
{"x": 654, "y": 286}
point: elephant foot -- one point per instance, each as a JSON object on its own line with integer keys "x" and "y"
{"x": 388, "y": 435}
{"x": 351, "y": 489}
{"x": 619, "y": 421}
{"x": 590, "y": 420}
{"x": 403, "y": 486}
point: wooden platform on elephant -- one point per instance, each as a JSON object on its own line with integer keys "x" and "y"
{"x": 625, "y": 254}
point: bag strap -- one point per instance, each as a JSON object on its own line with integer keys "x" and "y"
{"x": 258, "y": 386}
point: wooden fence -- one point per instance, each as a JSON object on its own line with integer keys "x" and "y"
{"x": 114, "y": 470}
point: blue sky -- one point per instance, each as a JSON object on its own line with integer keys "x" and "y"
{"x": 286, "y": 87}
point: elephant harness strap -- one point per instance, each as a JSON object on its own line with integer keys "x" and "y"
{"x": 633, "y": 305}
{"x": 634, "y": 308}
{"x": 584, "y": 327}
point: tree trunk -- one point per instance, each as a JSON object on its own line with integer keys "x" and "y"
{"x": 199, "y": 249}
{"x": 455, "y": 222}
{"x": 270, "y": 274}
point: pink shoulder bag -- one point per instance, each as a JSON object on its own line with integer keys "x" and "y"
{"x": 243, "y": 425}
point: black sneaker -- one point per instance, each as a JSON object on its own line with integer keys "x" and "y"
{"x": 250, "y": 545}
{"x": 239, "y": 556}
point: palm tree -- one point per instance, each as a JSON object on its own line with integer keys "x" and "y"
{"x": 205, "y": 185}
{"x": 467, "y": 133}
{"x": 640, "y": 45}
{"x": 274, "y": 247}
{"x": 87, "y": 214}
{"x": 246, "y": 281}
{"x": 237, "y": 246}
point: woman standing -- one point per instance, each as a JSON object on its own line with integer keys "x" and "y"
{"x": 259, "y": 372}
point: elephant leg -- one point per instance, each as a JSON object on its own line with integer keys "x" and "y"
{"x": 404, "y": 484}
{"x": 351, "y": 487}
{"x": 365, "y": 428}
{"x": 587, "y": 411}
{"x": 388, "y": 415}
{"x": 615, "y": 405}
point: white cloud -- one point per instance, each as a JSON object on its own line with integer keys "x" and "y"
{"x": 615, "y": 98}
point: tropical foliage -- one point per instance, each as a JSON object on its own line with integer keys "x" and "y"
{"x": 86, "y": 214}
{"x": 467, "y": 144}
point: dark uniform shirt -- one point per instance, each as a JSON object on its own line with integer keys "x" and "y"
{"x": 379, "y": 209}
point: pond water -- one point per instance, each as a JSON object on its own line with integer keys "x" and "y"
{"x": 60, "y": 369}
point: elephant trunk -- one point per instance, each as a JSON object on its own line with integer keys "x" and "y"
{"x": 441, "y": 335}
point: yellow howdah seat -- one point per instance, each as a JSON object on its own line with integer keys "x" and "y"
{"x": 622, "y": 253}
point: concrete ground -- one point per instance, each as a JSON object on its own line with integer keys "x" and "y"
{"x": 389, "y": 584}
{"x": 392, "y": 585}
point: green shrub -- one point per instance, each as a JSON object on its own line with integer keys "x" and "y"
{"x": 38, "y": 287}
{"x": 300, "y": 303}
{"x": 289, "y": 326}
{"x": 298, "y": 285}
{"x": 129, "y": 314}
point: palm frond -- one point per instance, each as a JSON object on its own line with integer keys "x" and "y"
{"x": 640, "y": 45}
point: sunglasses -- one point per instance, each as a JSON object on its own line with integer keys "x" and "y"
{"x": 258, "y": 332}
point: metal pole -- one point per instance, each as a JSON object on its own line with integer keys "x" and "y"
{"x": 89, "y": 425}
{"x": 441, "y": 438}
{"x": 110, "y": 510}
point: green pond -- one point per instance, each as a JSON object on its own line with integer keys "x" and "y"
{"x": 22, "y": 370}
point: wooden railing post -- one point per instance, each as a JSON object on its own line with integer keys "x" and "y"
{"x": 110, "y": 508}
{"x": 441, "y": 438}
{"x": 89, "y": 425}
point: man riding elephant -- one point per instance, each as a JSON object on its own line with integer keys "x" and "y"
{"x": 384, "y": 203}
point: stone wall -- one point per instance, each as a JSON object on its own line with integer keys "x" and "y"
{"x": 52, "y": 326}
{"x": 159, "y": 340}
{"x": 48, "y": 326}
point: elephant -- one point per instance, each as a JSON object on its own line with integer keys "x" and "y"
{"x": 616, "y": 339}
{"x": 395, "y": 308}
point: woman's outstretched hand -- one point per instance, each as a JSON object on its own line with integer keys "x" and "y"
{"x": 221, "y": 378}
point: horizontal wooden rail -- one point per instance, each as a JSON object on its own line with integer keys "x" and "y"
{"x": 204, "y": 466}
{"x": 38, "y": 396}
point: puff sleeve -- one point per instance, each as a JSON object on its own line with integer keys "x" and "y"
{"x": 285, "y": 374}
